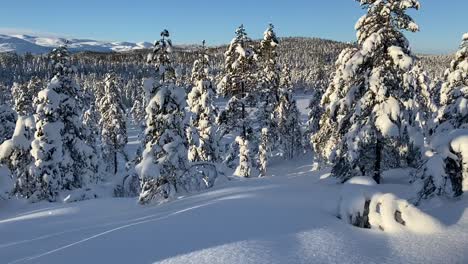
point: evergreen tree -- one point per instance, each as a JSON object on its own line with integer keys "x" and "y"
{"x": 63, "y": 160}
{"x": 245, "y": 160}
{"x": 269, "y": 81}
{"x": 240, "y": 83}
{"x": 444, "y": 170}
{"x": 15, "y": 152}
{"x": 202, "y": 130}
{"x": 113, "y": 122}
{"x": 137, "y": 111}
{"x": 160, "y": 59}
{"x": 366, "y": 104}
{"x": 313, "y": 123}
{"x": 23, "y": 99}
{"x": 263, "y": 152}
{"x": 164, "y": 160}
{"x": 288, "y": 118}
{"x": 7, "y": 122}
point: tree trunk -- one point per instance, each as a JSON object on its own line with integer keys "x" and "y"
{"x": 244, "y": 132}
{"x": 115, "y": 162}
{"x": 378, "y": 160}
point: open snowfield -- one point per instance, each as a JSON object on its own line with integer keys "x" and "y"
{"x": 289, "y": 217}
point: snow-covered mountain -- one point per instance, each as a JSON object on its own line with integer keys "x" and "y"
{"x": 22, "y": 44}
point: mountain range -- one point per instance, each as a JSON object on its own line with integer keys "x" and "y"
{"x": 22, "y": 44}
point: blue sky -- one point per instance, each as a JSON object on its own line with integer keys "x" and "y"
{"x": 442, "y": 22}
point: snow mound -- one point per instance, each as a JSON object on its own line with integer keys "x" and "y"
{"x": 368, "y": 208}
{"x": 361, "y": 180}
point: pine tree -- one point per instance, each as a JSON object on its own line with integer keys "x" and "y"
{"x": 113, "y": 122}
{"x": 240, "y": 83}
{"x": 8, "y": 119}
{"x": 23, "y": 99}
{"x": 365, "y": 105}
{"x": 313, "y": 123}
{"x": 138, "y": 111}
{"x": 288, "y": 118}
{"x": 444, "y": 171}
{"x": 15, "y": 152}
{"x": 202, "y": 131}
{"x": 263, "y": 152}
{"x": 269, "y": 81}
{"x": 164, "y": 160}
{"x": 160, "y": 58}
{"x": 92, "y": 132}
{"x": 63, "y": 160}
{"x": 245, "y": 160}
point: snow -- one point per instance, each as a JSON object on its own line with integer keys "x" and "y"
{"x": 361, "y": 180}
{"x": 465, "y": 36}
{"x": 19, "y": 139}
{"x": 460, "y": 145}
{"x": 387, "y": 113}
{"x": 5, "y": 183}
{"x": 287, "y": 217}
{"x": 400, "y": 58}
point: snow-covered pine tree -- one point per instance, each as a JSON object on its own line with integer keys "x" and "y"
{"x": 164, "y": 160}
{"x": 63, "y": 160}
{"x": 445, "y": 168}
{"x": 160, "y": 58}
{"x": 365, "y": 105}
{"x": 7, "y": 121}
{"x": 113, "y": 123}
{"x": 23, "y": 99}
{"x": 454, "y": 92}
{"x": 269, "y": 82}
{"x": 15, "y": 152}
{"x": 245, "y": 160}
{"x": 202, "y": 130}
{"x": 314, "y": 107}
{"x": 313, "y": 123}
{"x": 422, "y": 106}
{"x": 137, "y": 111}
{"x": 289, "y": 128}
{"x": 92, "y": 131}
{"x": 239, "y": 82}
{"x": 263, "y": 152}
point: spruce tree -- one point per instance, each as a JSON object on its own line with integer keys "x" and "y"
{"x": 15, "y": 152}
{"x": 365, "y": 106}
{"x": 164, "y": 160}
{"x": 263, "y": 152}
{"x": 113, "y": 122}
{"x": 240, "y": 83}
{"x": 63, "y": 160}
{"x": 202, "y": 130}
{"x": 8, "y": 119}
{"x": 269, "y": 81}
{"x": 444, "y": 171}
{"x": 288, "y": 118}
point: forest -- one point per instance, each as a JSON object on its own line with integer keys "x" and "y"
{"x": 376, "y": 131}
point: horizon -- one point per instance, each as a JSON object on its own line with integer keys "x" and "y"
{"x": 125, "y": 22}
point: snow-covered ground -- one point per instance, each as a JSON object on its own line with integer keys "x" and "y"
{"x": 288, "y": 217}
{"x": 291, "y": 216}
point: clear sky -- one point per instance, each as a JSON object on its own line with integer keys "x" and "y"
{"x": 442, "y": 22}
